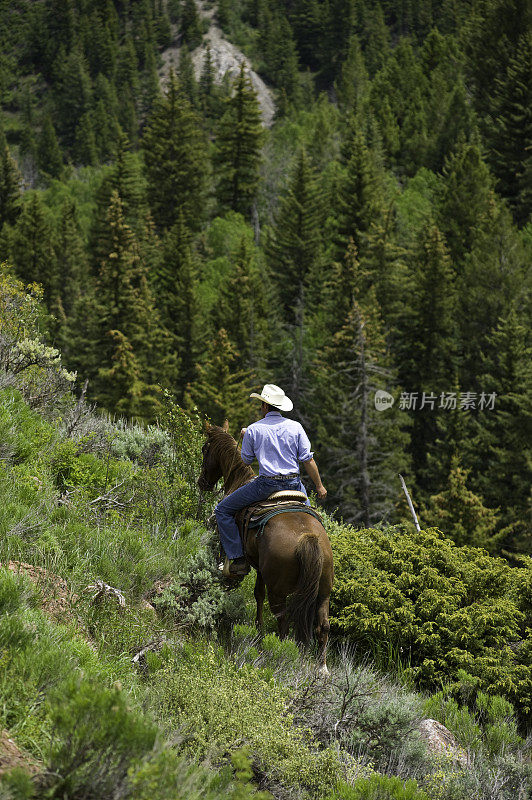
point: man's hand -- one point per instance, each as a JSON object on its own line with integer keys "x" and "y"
{"x": 321, "y": 491}
{"x": 242, "y": 432}
{"x": 313, "y": 473}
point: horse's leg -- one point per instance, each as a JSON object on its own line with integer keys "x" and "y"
{"x": 278, "y": 609}
{"x": 260, "y": 594}
{"x": 322, "y": 633}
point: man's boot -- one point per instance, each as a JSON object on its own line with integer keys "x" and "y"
{"x": 236, "y": 568}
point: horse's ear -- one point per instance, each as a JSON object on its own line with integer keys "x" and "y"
{"x": 225, "y": 426}
{"x": 207, "y": 426}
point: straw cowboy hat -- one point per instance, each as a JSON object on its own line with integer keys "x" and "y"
{"x": 275, "y": 397}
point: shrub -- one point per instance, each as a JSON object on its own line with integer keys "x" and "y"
{"x": 220, "y": 707}
{"x": 198, "y": 598}
{"x": 443, "y": 608}
{"x": 379, "y": 787}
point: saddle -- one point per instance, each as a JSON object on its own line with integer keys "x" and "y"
{"x": 256, "y": 516}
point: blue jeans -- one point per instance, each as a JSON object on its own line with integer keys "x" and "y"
{"x": 259, "y": 489}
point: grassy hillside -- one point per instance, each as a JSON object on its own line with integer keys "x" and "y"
{"x": 129, "y": 671}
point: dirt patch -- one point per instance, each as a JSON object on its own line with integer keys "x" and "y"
{"x": 11, "y": 756}
{"x": 57, "y": 599}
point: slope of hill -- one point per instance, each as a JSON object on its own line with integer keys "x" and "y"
{"x": 129, "y": 671}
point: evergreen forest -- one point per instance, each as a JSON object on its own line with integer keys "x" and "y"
{"x": 374, "y": 235}
{"x": 198, "y": 198}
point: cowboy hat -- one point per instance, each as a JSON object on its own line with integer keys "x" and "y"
{"x": 275, "y": 397}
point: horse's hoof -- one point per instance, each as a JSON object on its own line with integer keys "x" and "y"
{"x": 323, "y": 672}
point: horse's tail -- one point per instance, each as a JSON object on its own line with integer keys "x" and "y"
{"x": 302, "y": 605}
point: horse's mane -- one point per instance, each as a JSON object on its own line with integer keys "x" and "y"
{"x": 223, "y": 447}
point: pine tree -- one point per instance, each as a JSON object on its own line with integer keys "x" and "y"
{"x": 49, "y": 152}
{"x": 73, "y": 96}
{"x": 31, "y": 248}
{"x": 105, "y": 118}
{"x": 72, "y": 271}
{"x": 359, "y": 195}
{"x": 377, "y": 39}
{"x": 365, "y": 447}
{"x": 175, "y": 160}
{"x": 238, "y": 147}
{"x": 127, "y": 321}
{"x": 500, "y": 449}
{"x": 10, "y": 180}
{"x": 467, "y": 204}
{"x": 187, "y": 78}
{"x": 511, "y": 135}
{"x": 426, "y": 342}
{"x": 125, "y": 178}
{"x": 352, "y": 84}
{"x": 190, "y": 24}
{"x": 295, "y": 247}
{"x": 85, "y": 150}
{"x": 221, "y": 391}
{"x": 462, "y": 515}
{"x": 177, "y": 290}
{"x": 243, "y": 312}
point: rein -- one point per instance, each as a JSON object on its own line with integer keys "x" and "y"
{"x": 235, "y": 451}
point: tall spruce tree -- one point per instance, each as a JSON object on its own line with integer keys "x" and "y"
{"x": 364, "y": 447}
{"x": 175, "y": 160}
{"x": 467, "y": 204}
{"x": 511, "y": 133}
{"x": 10, "y": 182}
{"x": 127, "y": 321}
{"x": 178, "y": 303}
{"x": 31, "y": 248}
{"x": 359, "y": 197}
{"x": 426, "y": 343}
{"x": 221, "y": 391}
{"x": 500, "y": 449}
{"x": 49, "y": 153}
{"x": 239, "y": 139}
{"x": 243, "y": 312}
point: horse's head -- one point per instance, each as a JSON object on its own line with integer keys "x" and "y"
{"x": 211, "y": 467}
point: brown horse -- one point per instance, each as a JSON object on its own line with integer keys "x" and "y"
{"x": 293, "y": 556}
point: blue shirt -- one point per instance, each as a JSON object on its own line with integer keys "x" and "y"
{"x": 278, "y": 444}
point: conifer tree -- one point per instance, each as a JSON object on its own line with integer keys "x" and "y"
{"x": 49, "y": 152}
{"x": 221, "y": 391}
{"x": 175, "y": 160}
{"x": 243, "y": 312}
{"x": 467, "y": 204}
{"x": 426, "y": 342}
{"x": 500, "y": 449}
{"x": 105, "y": 118}
{"x": 365, "y": 447}
{"x": 177, "y": 290}
{"x": 31, "y": 248}
{"x": 462, "y": 515}
{"x": 359, "y": 195}
{"x": 295, "y": 246}
{"x": 190, "y": 24}
{"x": 72, "y": 271}
{"x": 187, "y": 78}
{"x": 10, "y": 180}
{"x": 73, "y": 96}
{"x": 353, "y": 83}
{"x": 238, "y": 147}
{"x": 377, "y": 39}
{"x": 85, "y": 150}
{"x": 124, "y": 178}
{"x": 127, "y": 321}
{"x": 511, "y": 134}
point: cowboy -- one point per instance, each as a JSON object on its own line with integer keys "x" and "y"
{"x": 279, "y": 445}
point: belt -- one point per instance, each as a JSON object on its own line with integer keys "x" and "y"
{"x": 281, "y": 477}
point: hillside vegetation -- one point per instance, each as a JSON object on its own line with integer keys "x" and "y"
{"x": 375, "y": 238}
{"x": 130, "y": 671}
{"x": 162, "y": 254}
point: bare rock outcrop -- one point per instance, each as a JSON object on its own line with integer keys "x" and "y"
{"x": 226, "y": 59}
